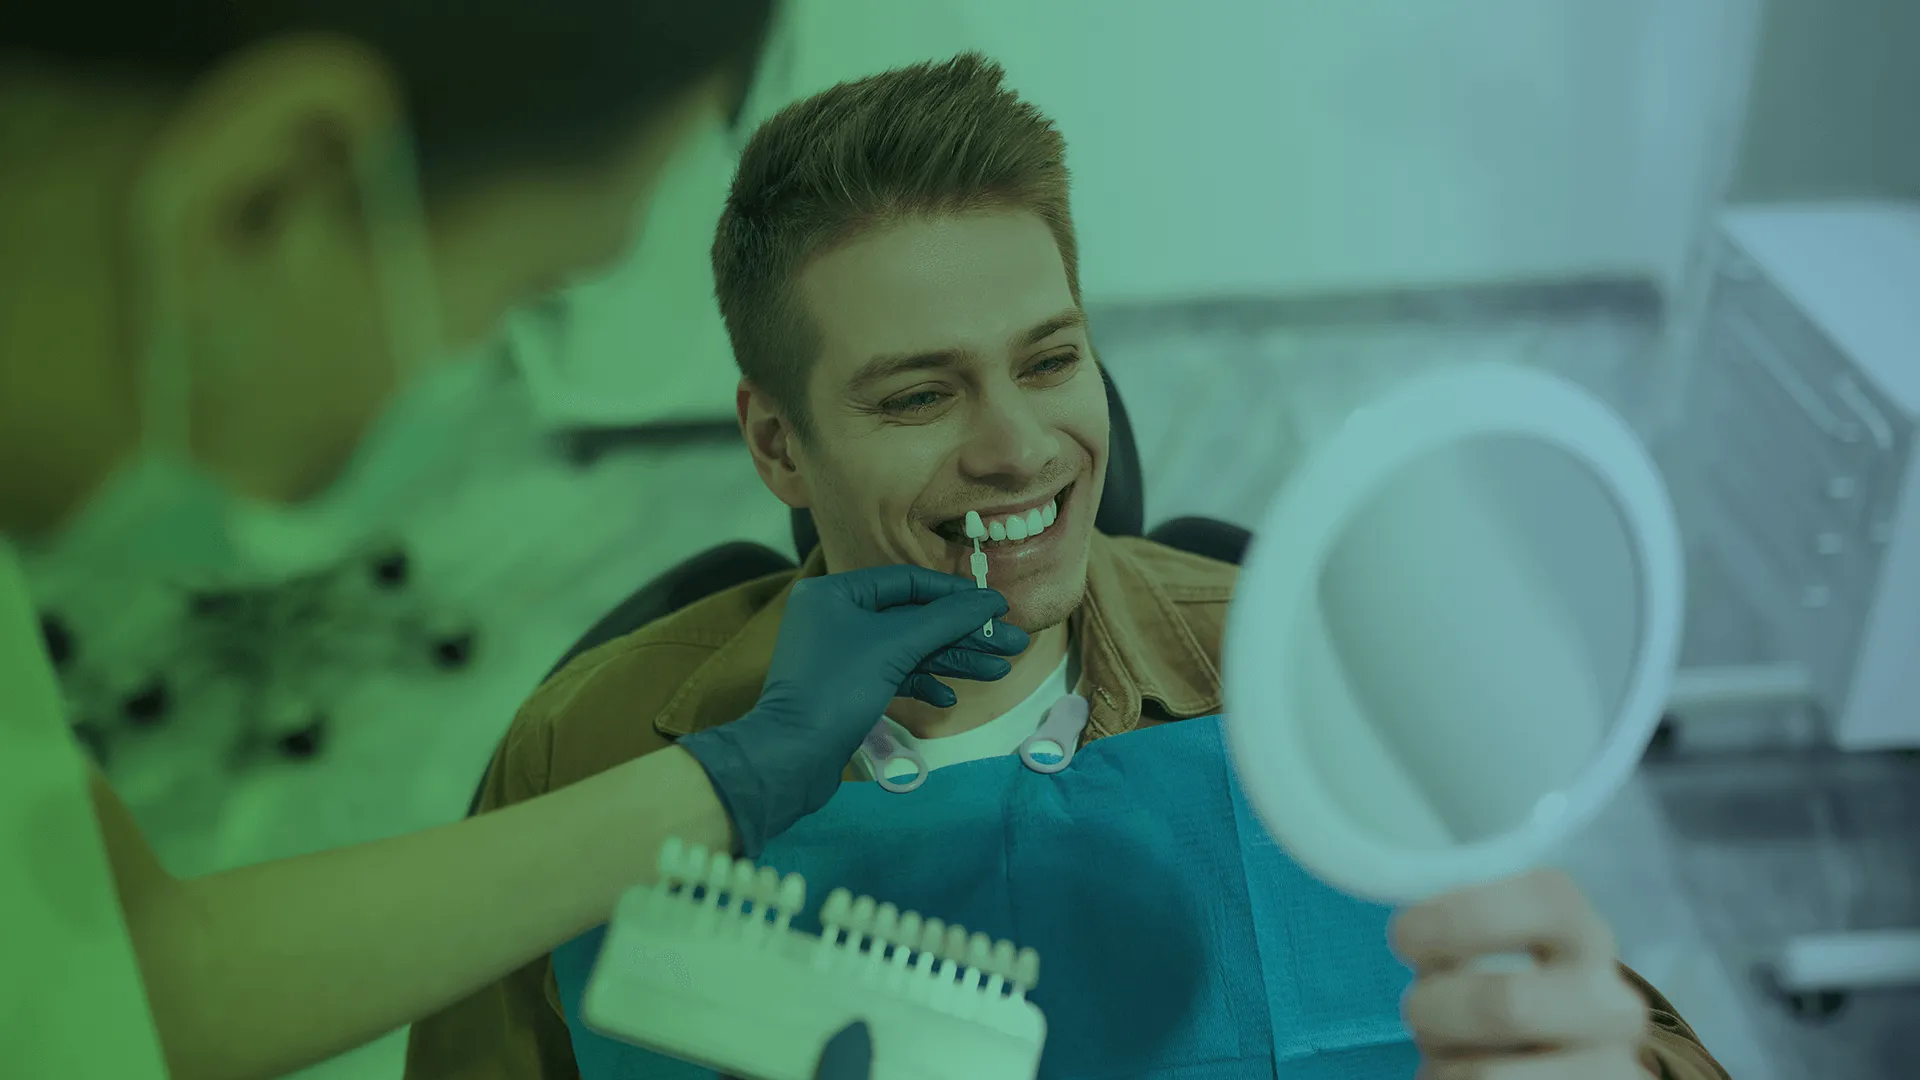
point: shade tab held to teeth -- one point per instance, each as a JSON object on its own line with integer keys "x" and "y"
{"x": 976, "y": 529}
{"x": 979, "y": 563}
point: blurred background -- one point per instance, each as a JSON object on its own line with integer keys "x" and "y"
{"x": 1703, "y": 210}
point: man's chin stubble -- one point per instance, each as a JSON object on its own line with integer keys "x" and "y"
{"x": 1054, "y": 615}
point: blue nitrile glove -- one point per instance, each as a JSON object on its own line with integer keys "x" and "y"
{"x": 849, "y": 1055}
{"x": 849, "y": 644}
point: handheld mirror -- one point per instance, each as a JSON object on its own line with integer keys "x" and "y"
{"x": 1453, "y": 634}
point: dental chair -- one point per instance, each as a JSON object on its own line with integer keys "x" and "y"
{"x": 1122, "y": 513}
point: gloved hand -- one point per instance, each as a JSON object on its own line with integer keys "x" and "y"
{"x": 849, "y": 644}
{"x": 849, "y": 1055}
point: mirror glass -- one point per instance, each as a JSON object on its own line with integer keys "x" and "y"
{"x": 1453, "y": 633}
{"x": 1473, "y": 630}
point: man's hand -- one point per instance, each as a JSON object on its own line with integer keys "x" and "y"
{"x": 1570, "y": 1015}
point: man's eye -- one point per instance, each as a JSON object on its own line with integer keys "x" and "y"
{"x": 918, "y": 401}
{"x": 1057, "y": 364}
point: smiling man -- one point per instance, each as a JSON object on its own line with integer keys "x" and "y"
{"x": 950, "y": 372}
{"x": 898, "y": 272}
{"x": 899, "y": 275}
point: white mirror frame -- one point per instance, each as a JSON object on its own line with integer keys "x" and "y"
{"x": 1280, "y": 577}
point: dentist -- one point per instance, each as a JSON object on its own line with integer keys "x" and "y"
{"x": 234, "y": 234}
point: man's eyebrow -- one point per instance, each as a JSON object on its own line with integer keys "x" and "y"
{"x": 1071, "y": 319}
{"x": 884, "y": 367}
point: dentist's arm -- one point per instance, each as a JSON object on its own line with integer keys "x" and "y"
{"x": 260, "y": 971}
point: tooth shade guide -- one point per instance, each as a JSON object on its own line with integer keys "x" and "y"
{"x": 946, "y": 992}
{"x": 979, "y": 561}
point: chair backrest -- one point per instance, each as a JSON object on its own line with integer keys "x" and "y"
{"x": 1123, "y": 510}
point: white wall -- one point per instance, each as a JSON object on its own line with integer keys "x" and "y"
{"x": 1262, "y": 146}
{"x": 645, "y": 344}
{"x": 1832, "y": 104}
{"x": 1254, "y": 147}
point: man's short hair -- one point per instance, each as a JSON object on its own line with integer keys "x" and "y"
{"x": 933, "y": 138}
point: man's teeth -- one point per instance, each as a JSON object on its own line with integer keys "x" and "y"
{"x": 1014, "y": 527}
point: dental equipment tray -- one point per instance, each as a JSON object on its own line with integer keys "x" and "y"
{"x": 703, "y": 966}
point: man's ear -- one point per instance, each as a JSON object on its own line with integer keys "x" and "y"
{"x": 772, "y": 442}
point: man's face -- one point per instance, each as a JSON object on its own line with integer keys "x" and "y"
{"x": 955, "y": 374}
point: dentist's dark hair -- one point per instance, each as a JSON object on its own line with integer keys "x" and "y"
{"x": 488, "y": 83}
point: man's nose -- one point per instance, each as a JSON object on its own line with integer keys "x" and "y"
{"x": 1010, "y": 438}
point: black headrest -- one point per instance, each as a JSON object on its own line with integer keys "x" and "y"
{"x": 1123, "y": 510}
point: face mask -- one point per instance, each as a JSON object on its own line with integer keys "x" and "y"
{"x": 161, "y": 516}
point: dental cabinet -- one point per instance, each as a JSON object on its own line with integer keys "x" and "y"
{"x": 1802, "y": 407}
